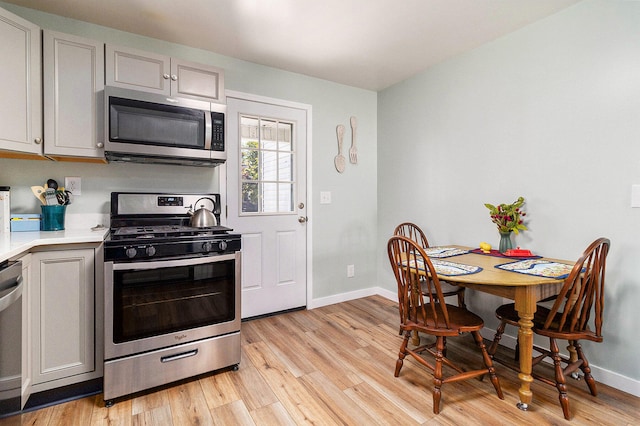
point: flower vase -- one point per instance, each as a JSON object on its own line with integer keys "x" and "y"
{"x": 505, "y": 242}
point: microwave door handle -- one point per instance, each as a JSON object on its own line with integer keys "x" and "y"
{"x": 207, "y": 131}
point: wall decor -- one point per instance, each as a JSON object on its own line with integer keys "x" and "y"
{"x": 353, "y": 151}
{"x": 339, "y": 160}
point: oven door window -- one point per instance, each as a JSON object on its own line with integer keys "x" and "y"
{"x": 146, "y": 123}
{"x": 152, "y": 302}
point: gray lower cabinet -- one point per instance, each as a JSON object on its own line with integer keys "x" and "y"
{"x": 65, "y": 337}
{"x": 73, "y": 80}
{"x": 20, "y": 86}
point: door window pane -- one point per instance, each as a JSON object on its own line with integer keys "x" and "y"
{"x": 267, "y": 157}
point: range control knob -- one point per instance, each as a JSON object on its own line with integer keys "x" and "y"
{"x": 131, "y": 252}
{"x": 222, "y": 245}
{"x": 206, "y": 246}
{"x": 151, "y": 250}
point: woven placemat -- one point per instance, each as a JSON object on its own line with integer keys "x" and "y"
{"x": 447, "y": 268}
{"x": 441, "y": 252}
{"x": 496, "y": 253}
{"x": 538, "y": 267}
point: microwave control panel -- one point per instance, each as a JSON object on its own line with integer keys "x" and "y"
{"x": 217, "y": 131}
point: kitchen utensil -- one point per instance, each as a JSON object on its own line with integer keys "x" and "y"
{"x": 50, "y": 197}
{"x": 51, "y": 183}
{"x": 353, "y": 151}
{"x": 203, "y": 218}
{"x": 38, "y": 191}
{"x": 339, "y": 160}
{"x": 64, "y": 197}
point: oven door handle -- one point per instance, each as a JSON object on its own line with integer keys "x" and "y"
{"x": 176, "y": 357}
{"x": 155, "y": 264}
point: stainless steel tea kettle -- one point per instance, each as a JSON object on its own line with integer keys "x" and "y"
{"x": 202, "y": 217}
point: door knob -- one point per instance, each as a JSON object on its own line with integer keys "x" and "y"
{"x": 302, "y": 219}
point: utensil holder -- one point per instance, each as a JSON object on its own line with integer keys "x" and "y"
{"x": 53, "y": 218}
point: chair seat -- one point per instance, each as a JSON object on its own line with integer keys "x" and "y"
{"x": 447, "y": 289}
{"x": 460, "y": 321}
{"x": 509, "y": 314}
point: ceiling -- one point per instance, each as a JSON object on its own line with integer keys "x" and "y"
{"x": 371, "y": 44}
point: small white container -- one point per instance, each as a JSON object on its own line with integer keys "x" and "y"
{"x": 5, "y": 210}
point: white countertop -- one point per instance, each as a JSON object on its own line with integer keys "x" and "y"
{"x": 15, "y": 243}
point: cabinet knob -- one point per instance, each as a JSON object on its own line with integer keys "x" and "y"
{"x": 165, "y": 76}
{"x": 100, "y": 145}
{"x": 174, "y": 77}
{"x": 37, "y": 141}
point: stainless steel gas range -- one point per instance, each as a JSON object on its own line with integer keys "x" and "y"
{"x": 172, "y": 292}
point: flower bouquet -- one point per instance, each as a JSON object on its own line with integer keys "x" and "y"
{"x": 508, "y": 217}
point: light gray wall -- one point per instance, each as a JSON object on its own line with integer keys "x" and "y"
{"x": 551, "y": 113}
{"x": 344, "y": 232}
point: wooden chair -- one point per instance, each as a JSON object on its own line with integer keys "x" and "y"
{"x": 413, "y": 231}
{"x": 568, "y": 319}
{"x": 431, "y": 315}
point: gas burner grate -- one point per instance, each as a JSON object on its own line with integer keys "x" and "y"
{"x": 159, "y": 231}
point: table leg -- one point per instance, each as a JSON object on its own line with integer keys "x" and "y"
{"x": 526, "y": 307}
{"x": 573, "y": 357}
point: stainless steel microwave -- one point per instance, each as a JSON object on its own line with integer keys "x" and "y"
{"x": 150, "y": 128}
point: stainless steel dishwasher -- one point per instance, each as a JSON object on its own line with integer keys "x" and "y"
{"x": 10, "y": 337}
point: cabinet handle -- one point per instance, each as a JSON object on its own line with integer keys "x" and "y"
{"x": 37, "y": 141}
{"x": 174, "y": 77}
{"x": 100, "y": 145}
{"x": 165, "y": 76}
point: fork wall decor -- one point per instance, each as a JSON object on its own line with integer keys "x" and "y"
{"x": 339, "y": 160}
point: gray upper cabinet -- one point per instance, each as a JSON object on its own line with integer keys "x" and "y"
{"x": 150, "y": 72}
{"x": 20, "y": 86}
{"x": 73, "y": 96}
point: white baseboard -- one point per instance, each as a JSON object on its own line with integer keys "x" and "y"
{"x": 342, "y": 297}
{"x": 607, "y": 377}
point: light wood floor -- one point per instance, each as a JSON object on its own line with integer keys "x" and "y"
{"x": 334, "y": 365}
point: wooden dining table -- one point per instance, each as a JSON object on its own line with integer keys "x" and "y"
{"x": 525, "y": 290}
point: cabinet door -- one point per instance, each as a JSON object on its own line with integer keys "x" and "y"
{"x": 20, "y": 87}
{"x": 73, "y": 102}
{"x": 197, "y": 81}
{"x": 63, "y": 311}
{"x": 135, "y": 69}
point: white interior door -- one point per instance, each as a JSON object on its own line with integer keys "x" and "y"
{"x": 267, "y": 202}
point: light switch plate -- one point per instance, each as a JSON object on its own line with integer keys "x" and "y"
{"x": 635, "y": 195}
{"x": 325, "y": 197}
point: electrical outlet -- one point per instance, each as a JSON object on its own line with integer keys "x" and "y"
{"x": 73, "y": 185}
{"x": 351, "y": 271}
